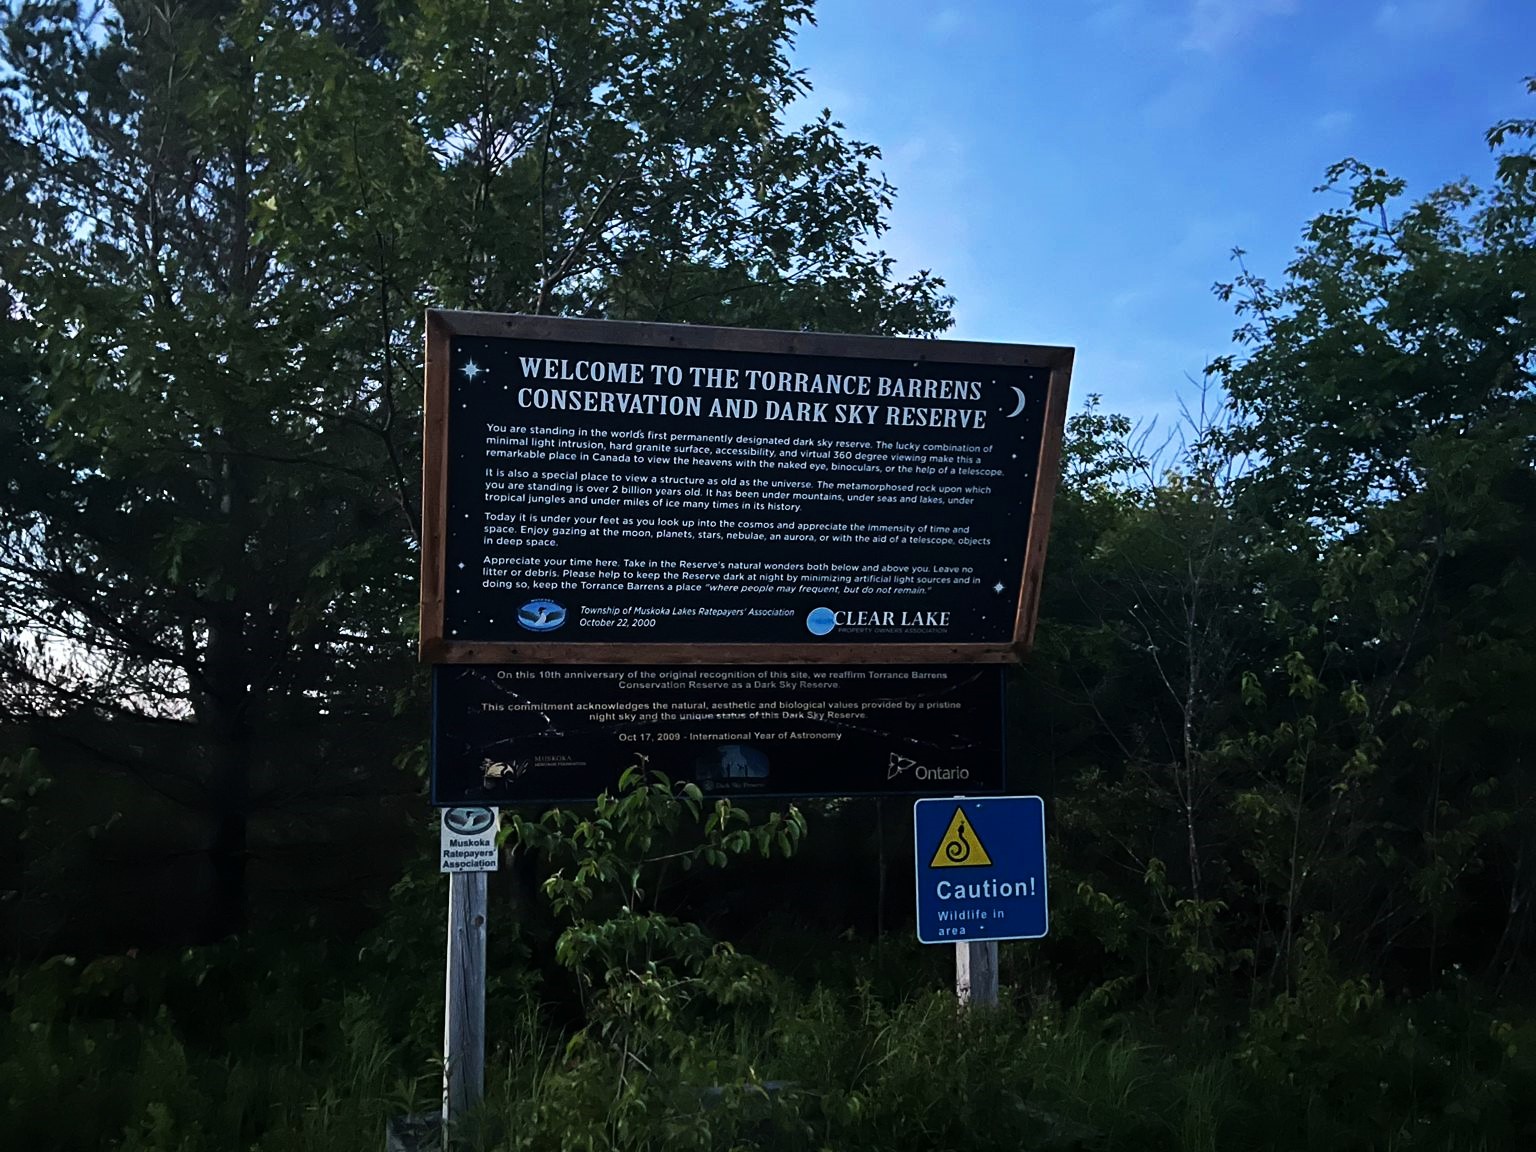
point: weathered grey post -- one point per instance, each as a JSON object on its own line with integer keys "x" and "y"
{"x": 464, "y": 1008}
{"x": 976, "y": 973}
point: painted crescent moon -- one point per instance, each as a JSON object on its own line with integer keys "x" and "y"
{"x": 1020, "y": 407}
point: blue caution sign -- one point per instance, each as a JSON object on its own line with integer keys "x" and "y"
{"x": 980, "y": 869}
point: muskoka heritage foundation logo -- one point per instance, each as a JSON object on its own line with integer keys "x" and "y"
{"x": 821, "y": 621}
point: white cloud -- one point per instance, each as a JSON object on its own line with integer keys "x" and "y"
{"x": 1334, "y": 123}
{"x": 930, "y": 227}
{"x": 1145, "y": 380}
{"x": 1114, "y": 14}
{"x": 1205, "y": 242}
{"x": 1417, "y": 17}
{"x": 946, "y": 22}
{"x": 844, "y": 103}
{"x": 1215, "y": 25}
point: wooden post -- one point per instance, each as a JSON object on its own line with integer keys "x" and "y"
{"x": 976, "y": 973}
{"x": 464, "y": 1008}
{"x": 880, "y": 864}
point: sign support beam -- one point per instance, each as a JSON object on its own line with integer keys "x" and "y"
{"x": 976, "y": 973}
{"x": 464, "y": 1006}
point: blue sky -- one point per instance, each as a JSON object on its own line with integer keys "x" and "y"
{"x": 1080, "y": 170}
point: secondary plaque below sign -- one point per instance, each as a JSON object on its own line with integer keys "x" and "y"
{"x": 517, "y": 734}
{"x": 608, "y": 492}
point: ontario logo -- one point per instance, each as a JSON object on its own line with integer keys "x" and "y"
{"x": 541, "y": 615}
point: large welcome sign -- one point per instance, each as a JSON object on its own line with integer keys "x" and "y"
{"x": 600, "y": 492}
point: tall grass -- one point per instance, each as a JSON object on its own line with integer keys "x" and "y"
{"x": 638, "y": 1032}
{"x": 154, "y": 1054}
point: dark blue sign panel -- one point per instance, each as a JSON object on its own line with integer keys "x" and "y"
{"x": 625, "y": 494}
{"x": 980, "y": 869}
{"x": 505, "y": 734}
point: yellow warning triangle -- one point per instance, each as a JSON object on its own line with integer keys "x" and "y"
{"x": 961, "y": 847}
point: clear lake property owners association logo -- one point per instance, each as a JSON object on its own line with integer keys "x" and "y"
{"x": 820, "y": 621}
{"x": 541, "y": 615}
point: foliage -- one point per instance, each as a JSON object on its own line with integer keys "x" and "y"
{"x": 279, "y": 1044}
{"x": 1287, "y": 656}
{"x": 236, "y": 1046}
{"x": 221, "y": 225}
{"x": 654, "y": 987}
{"x": 1281, "y": 704}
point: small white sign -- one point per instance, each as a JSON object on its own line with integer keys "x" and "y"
{"x": 469, "y": 839}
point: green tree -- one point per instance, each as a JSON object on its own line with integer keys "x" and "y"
{"x": 1289, "y": 676}
{"x": 198, "y": 510}
{"x": 1389, "y": 395}
{"x": 638, "y": 159}
{"x": 1151, "y": 616}
{"x": 225, "y": 221}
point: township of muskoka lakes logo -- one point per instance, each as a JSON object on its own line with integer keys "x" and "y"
{"x": 541, "y": 615}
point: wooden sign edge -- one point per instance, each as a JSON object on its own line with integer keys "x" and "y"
{"x": 760, "y": 340}
{"x": 1047, "y": 478}
{"x": 434, "y": 483}
{"x": 503, "y": 652}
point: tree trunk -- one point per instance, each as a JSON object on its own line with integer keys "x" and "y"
{"x": 882, "y": 865}
{"x": 224, "y": 711}
{"x": 227, "y": 852}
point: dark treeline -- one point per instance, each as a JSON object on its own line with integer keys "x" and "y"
{"x": 1282, "y": 706}
{"x": 1290, "y": 679}
{"x": 221, "y": 225}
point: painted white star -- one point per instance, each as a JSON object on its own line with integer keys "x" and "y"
{"x": 999, "y": 586}
{"x": 471, "y": 370}
{"x": 461, "y": 563}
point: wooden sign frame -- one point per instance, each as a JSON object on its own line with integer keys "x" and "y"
{"x": 441, "y": 326}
